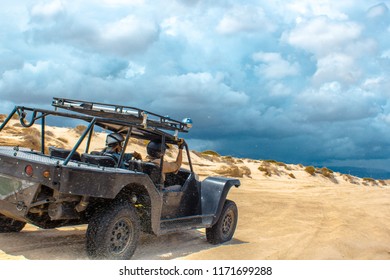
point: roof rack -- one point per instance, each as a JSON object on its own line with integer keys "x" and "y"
{"x": 132, "y": 115}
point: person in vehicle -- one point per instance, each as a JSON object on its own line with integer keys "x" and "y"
{"x": 156, "y": 150}
{"x": 114, "y": 147}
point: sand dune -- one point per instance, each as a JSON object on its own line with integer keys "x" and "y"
{"x": 284, "y": 213}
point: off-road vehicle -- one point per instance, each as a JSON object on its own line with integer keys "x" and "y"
{"x": 117, "y": 197}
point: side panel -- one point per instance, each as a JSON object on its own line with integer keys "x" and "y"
{"x": 107, "y": 184}
{"x": 214, "y": 191}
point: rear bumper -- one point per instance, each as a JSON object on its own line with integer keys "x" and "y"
{"x": 15, "y": 196}
{"x": 12, "y": 210}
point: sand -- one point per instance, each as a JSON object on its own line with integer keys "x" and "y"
{"x": 285, "y": 213}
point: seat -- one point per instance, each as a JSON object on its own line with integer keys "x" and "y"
{"x": 134, "y": 165}
{"x": 101, "y": 160}
{"x": 63, "y": 153}
{"x": 153, "y": 170}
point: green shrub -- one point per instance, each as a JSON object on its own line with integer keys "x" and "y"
{"x": 266, "y": 170}
{"x": 210, "y": 153}
{"x": 366, "y": 181}
{"x": 246, "y": 171}
{"x": 270, "y": 160}
{"x": 326, "y": 172}
{"x": 310, "y": 169}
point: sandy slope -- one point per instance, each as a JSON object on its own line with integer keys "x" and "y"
{"x": 287, "y": 214}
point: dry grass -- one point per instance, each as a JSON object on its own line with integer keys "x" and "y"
{"x": 63, "y": 140}
{"x": 369, "y": 181}
{"x": 49, "y": 133}
{"x": 234, "y": 171}
{"x": 246, "y": 171}
{"x": 31, "y": 141}
{"x": 270, "y": 168}
{"x": 311, "y": 170}
{"x": 79, "y": 129}
{"x": 210, "y": 153}
{"x": 351, "y": 179}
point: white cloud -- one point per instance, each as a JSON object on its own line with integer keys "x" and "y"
{"x": 245, "y": 19}
{"x": 47, "y": 11}
{"x": 309, "y": 8}
{"x": 322, "y": 36}
{"x": 121, "y": 3}
{"x": 127, "y": 35}
{"x": 134, "y": 70}
{"x": 273, "y": 66}
{"x": 337, "y": 67}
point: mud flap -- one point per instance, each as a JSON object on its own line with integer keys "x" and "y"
{"x": 214, "y": 191}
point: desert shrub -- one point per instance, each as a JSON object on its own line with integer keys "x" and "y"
{"x": 326, "y": 172}
{"x": 246, "y": 171}
{"x": 210, "y": 153}
{"x": 367, "y": 181}
{"x": 382, "y": 182}
{"x": 292, "y": 175}
{"x": 63, "y": 140}
{"x": 49, "y": 133}
{"x": 79, "y": 129}
{"x": 267, "y": 171}
{"x": 230, "y": 171}
{"x": 272, "y": 161}
{"x": 310, "y": 169}
{"x": 2, "y": 117}
{"x": 228, "y": 159}
{"x": 32, "y": 141}
{"x": 31, "y": 131}
{"x": 350, "y": 179}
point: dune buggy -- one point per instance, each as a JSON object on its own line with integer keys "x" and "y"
{"x": 57, "y": 187}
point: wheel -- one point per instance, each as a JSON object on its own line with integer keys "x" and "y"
{"x": 113, "y": 233}
{"x": 224, "y": 229}
{"x": 10, "y": 225}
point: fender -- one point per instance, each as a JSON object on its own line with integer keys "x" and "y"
{"x": 214, "y": 191}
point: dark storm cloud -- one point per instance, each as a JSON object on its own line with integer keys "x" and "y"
{"x": 299, "y": 81}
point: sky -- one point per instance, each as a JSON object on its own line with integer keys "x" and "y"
{"x": 296, "y": 81}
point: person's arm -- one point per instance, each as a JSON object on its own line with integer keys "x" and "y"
{"x": 171, "y": 167}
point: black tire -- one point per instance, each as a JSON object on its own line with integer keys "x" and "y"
{"x": 223, "y": 230}
{"x": 113, "y": 233}
{"x": 10, "y": 225}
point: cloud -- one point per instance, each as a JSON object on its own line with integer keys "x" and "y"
{"x": 378, "y": 11}
{"x": 43, "y": 12}
{"x": 53, "y": 23}
{"x": 322, "y": 36}
{"x": 188, "y": 93}
{"x": 301, "y": 81}
{"x": 273, "y": 66}
{"x": 333, "y": 103}
{"x": 337, "y": 67}
{"x": 244, "y": 19}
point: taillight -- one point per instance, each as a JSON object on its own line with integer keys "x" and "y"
{"x": 29, "y": 170}
{"x": 46, "y": 173}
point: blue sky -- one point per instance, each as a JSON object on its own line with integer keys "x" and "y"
{"x": 297, "y": 81}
